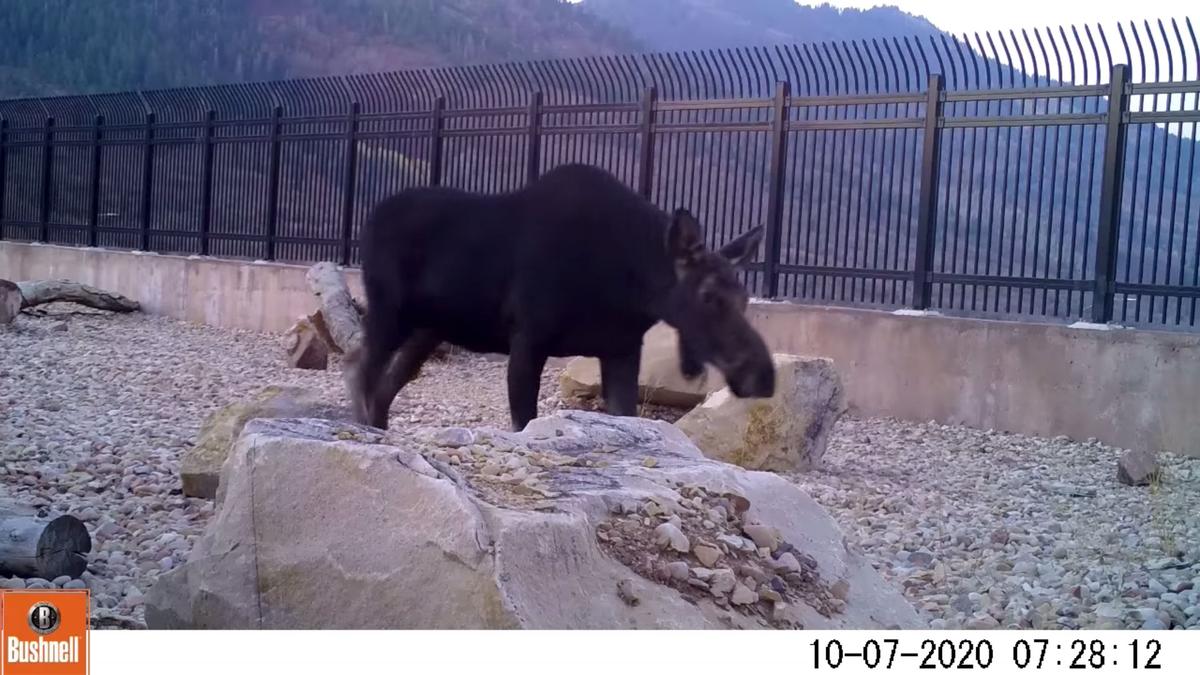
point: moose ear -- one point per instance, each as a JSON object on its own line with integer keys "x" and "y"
{"x": 741, "y": 250}
{"x": 684, "y": 238}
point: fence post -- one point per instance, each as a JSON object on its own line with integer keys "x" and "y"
{"x": 94, "y": 203}
{"x": 147, "y": 181}
{"x": 436, "y": 121}
{"x": 533, "y": 146}
{"x": 3, "y": 169}
{"x": 273, "y": 182}
{"x": 47, "y": 180}
{"x": 926, "y": 206}
{"x": 774, "y": 233}
{"x": 206, "y": 181}
{"x": 646, "y": 151}
{"x": 1103, "y": 296}
{"x": 348, "y": 180}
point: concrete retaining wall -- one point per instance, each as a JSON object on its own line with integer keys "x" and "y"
{"x": 1128, "y": 388}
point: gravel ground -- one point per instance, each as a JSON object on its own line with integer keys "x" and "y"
{"x": 979, "y": 528}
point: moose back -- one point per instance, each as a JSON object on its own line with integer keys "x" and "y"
{"x": 573, "y": 264}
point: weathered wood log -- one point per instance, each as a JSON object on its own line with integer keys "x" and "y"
{"x": 307, "y": 346}
{"x": 340, "y": 312}
{"x": 37, "y": 547}
{"x": 41, "y": 292}
{"x": 10, "y": 301}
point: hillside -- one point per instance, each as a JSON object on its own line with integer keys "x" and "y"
{"x": 55, "y": 47}
{"x": 700, "y": 24}
{"x": 59, "y": 46}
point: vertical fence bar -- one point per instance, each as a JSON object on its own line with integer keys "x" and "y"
{"x": 1110, "y": 195}
{"x": 926, "y": 211}
{"x": 646, "y": 151}
{"x": 349, "y": 176}
{"x": 47, "y": 195}
{"x": 777, "y": 176}
{"x": 273, "y": 182}
{"x": 3, "y": 170}
{"x": 206, "y": 181}
{"x": 147, "y": 181}
{"x": 533, "y": 146}
{"x": 94, "y": 197}
{"x": 436, "y": 122}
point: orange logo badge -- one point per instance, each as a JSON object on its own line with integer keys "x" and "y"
{"x": 44, "y": 632}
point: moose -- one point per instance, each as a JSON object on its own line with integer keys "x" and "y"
{"x": 573, "y": 264}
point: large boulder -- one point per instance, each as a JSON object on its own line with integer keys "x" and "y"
{"x": 659, "y": 379}
{"x": 581, "y": 521}
{"x": 787, "y": 432}
{"x": 200, "y": 467}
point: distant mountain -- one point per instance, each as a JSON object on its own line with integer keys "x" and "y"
{"x": 58, "y": 46}
{"x": 701, "y": 24}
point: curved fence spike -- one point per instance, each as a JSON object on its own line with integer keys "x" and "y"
{"x": 1170, "y": 59}
{"x": 1083, "y": 61}
{"x": 1141, "y": 51}
{"x": 1070, "y": 55}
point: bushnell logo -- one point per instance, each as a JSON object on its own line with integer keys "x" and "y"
{"x": 44, "y": 618}
{"x": 44, "y": 632}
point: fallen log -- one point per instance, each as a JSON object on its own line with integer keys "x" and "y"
{"x": 340, "y": 312}
{"x": 338, "y": 323}
{"x": 10, "y": 301}
{"x": 35, "y": 293}
{"x": 307, "y": 343}
{"x": 36, "y": 547}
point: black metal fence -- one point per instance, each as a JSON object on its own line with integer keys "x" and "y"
{"x": 1037, "y": 174}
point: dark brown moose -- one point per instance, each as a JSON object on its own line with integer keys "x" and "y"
{"x": 573, "y": 264}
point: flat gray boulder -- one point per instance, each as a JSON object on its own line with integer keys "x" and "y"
{"x": 582, "y": 521}
{"x": 200, "y": 467}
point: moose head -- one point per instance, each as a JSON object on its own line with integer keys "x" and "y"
{"x": 707, "y": 306}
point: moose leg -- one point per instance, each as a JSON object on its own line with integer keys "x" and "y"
{"x": 525, "y": 364}
{"x": 690, "y": 366}
{"x": 619, "y": 382}
{"x": 386, "y": 331}
{"x": 404, "y": 368}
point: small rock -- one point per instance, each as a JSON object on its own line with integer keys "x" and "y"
{"x": 764, "y": 536}
{"x": 134, "y": 597}
{"x": 75, "y": 584}
{"x": 742, "y": 595}
{"x": 649, "y": 462}
{"x": 13, "y": 584}
{"x": 1137, "y": 467}
{"x": 626, "y": 593}
{"x": 36, "y": 584}
{"x": 453, "y": 437}
{"x": 1156, "y": 587}
{"x": 982, "y": 622}
{"x": 1153, "y": 623}
{"x": 668, "y": 535}
{"x": 57, "y": 327}
{"x": 920, "y": 558}
{"x": 59, "y": 581}
{"x": 703, "y": 573}
{"x": 723, "y": 581}
{"x": 707, "y": 555}
{"x": 678, "y": 570}
{"x": 786, "y": 563}
{"x": 737, "y": 543}
{"x": 841, "y": 589}
{"x": 770, "y": 594}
